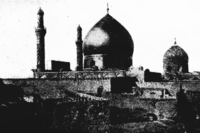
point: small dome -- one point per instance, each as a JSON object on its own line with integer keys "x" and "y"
{"x": 175, "y": 60}
{"x": 109, "y": 38}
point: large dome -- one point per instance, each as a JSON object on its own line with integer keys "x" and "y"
{"x": 110, "y": 40}
{"x": 175, "y": 60}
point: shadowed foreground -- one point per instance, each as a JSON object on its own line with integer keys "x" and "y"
{"x": 54, "y": 117}
{"x": 68, "y": 115}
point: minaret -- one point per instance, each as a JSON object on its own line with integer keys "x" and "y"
{"x": 79, "y": 50}
{"x": 40, "y": 31}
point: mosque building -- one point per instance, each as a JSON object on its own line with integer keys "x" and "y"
{"x": 106, "y": 51}
{"x": 108, "y": 46}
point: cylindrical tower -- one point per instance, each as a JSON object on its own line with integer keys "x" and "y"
{"x": 79, "y": 50}
{"x": 40, "y": 31}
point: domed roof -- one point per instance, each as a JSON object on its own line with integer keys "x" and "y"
{"x": 175, "y": 60}
{"x": 176, "y": 51}
{"x": 108, "y": 36}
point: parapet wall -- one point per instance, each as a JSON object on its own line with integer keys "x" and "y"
{"x": 82, "y": 75}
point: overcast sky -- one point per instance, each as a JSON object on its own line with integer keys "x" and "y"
{"x": 153, "y": 25}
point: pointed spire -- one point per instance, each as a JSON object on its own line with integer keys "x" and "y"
{"x": 40, "y": 11}
{"x": 79, "y": 27}
{"x": 107, "y": 8}
{"x": 79, "y": 33}
{"x": 174, "y": 41}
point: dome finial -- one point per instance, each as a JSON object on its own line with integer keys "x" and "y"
{"x": 175, "y": 41}
{"x": 107, "y": 8}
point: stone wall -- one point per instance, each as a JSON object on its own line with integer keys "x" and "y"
{"x": 55, "y": 88}
{"x": 159, "y": 107}
{"x": 162, "y": 108}
{"x": 173, "y": 87}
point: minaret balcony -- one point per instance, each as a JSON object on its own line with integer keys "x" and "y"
{"x": 40, "y": 30}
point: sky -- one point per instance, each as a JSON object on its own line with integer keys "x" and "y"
{"x": 153, "y": 25}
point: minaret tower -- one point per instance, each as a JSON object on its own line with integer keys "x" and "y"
{"x": 79, "y": 50}
{"x": 40, "y": 31}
